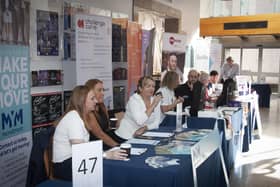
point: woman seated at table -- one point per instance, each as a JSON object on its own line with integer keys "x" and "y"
{"x": 99, "y": 118}
{"x": 72, "y": 128}
{"x": 142, "y": 110}
{"x": 169, "y": 101}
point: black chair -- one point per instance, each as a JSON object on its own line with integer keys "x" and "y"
{"x": 39, "y": 168}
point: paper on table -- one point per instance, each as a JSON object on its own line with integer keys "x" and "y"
{"x": 173, "y": 113}
{"x": 158, "y": 134}
{"x": 142, "y": 141}
{"x": 229, "y": 108}
{"x": 138, "y": 151}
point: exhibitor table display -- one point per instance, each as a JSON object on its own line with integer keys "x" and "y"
{"x": 167, "y": 164}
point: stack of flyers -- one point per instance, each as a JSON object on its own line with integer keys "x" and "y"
{"x": 175, "y": 147}
{"x": 161, "y": 161}
{"x": 193, "y": 135}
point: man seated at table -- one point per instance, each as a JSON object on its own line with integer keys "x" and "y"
{"x": 199, "y": 93}
{"x": 185, "y": 90}
{"x": 213, "y": 80}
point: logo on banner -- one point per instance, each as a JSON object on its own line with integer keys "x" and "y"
{"x": 172, "y": 40}
{"x": 80, "y": 23}
{"x": 90, "y": 24}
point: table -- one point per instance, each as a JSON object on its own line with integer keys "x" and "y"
{"x": 137, "y": 173}
{"x": 231, "y": 148}
{"x": 264, "y": 92}
{"x": 252, "y": 119}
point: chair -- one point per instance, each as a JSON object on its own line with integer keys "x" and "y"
{"x": 48, "y": 159}
{"x": 38, "y": 169}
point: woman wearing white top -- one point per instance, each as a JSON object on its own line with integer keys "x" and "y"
{"x": 72, "y": 129}
{"x": 142, "y": 110}
{"x": 169, "y": 101}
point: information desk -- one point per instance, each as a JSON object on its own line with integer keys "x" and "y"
{"x": 264, "y": 92}
{"x": 136, "y": 172}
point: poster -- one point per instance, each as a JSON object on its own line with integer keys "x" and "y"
{"x": 94, "y": 33}
{"x": 202, "y": 54}
{"x": 147, "y": 45}
{"x": 134, "y": 49}
{"x": 47, "y": 33}
{"x": 119, "y": 97}
{"x": 46, "y": 108}
{"x": 120, "y": 23}
{"x": 174, "y": 45}
{"x": 215, "y": 58}
{"x": 15, "y": 115}
{"x": 14, "y": 22}
{"x": 116, "y": 42}
{"x": 66, "y": 98}
{"x": 46, "y": 78}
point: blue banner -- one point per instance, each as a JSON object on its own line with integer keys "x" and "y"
{"x": 15, "y": 112}
{"x": 15, "y": 115}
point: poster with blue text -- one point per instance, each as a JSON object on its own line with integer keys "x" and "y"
{"x": 15, "y": 115}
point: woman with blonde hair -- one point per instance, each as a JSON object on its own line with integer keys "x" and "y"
{"x": 142, "y": 110}
{"x": 169, "y": 101}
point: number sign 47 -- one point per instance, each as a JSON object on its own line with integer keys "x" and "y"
{"x": 87, "y": 163}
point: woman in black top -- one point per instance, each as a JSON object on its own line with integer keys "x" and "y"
{"x": 99, "y": 120}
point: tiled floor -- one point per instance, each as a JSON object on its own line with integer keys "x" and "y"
{"x": 260, "y": 167}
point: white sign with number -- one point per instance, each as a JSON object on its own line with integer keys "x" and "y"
{"x": 87, "y": 164}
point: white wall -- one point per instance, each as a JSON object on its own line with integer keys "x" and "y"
{"x": 122, "y": 6}
{"x": 190, "y": 15}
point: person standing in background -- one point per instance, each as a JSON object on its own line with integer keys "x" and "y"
{"x": 229, "y": 70}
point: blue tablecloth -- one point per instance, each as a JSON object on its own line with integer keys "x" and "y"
{"x": 55, "y": 183}
{"x": 264, "y": 92}
{"x": 231, "y": 147}
{"x": 136, "y": 172}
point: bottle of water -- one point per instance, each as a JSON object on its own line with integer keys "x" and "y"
{"x": 179, "y": 117}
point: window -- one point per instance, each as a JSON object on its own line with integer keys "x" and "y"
{"x": 271, "y": 60}
{"x": 250, "y": 60}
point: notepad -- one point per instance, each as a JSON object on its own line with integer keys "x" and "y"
{"x": 138, "y": 151}
{"x": 158, "y": 134}
{"x": 173, "y": 113}
{"x": 142, "y": 141}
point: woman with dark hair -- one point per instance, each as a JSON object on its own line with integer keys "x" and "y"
{"x": 99, "y": 118}
{"x": 142, "y": 110}
{"x": 72, "y": 128}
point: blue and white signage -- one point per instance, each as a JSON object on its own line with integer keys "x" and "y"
{"x": 15, "y": 115}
